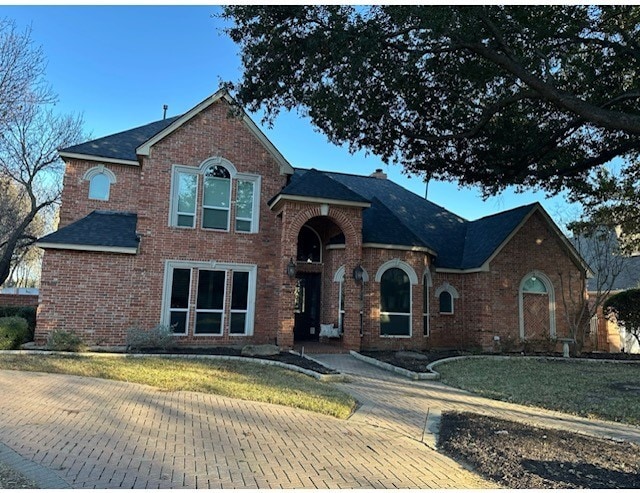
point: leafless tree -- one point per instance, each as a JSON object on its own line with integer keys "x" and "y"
{"x": 601, "y": 250}
{"x": 30, "y": 136}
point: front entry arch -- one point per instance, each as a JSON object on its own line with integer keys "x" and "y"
{"x": 536, "y": 305}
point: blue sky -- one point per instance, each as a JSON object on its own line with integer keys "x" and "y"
{"x": 118, "y": 65}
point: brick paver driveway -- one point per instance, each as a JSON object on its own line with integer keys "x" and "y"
{"x": 91, "y": 433}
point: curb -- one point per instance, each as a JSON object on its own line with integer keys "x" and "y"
{"x": 323, "y": 377}
{"x": 396, "y": 369}
{"x": 45, "y": 478}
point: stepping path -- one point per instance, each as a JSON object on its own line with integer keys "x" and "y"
{"x": 92, "y": 433}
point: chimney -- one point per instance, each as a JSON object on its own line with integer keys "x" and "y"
{"x": 379, "y": 174}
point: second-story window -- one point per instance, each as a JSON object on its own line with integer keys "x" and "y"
{"x": 216, "y": 199}
{"x": 224, "y": 199}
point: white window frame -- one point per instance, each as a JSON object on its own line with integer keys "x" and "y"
{"x": 426, "y": 303}
{"x": 213, "y": 207}
{"x": 175, "y": 191}
{"x": 255, "y": 209}
{"x": 100, "y": 170}
{"x": 413, "y": 280}
{"x": 168, "y": 289}
{"x": 551, "y": 299}
{"x": 199, "y": 198}
{"x": 453, "y": 292}
{"x": 338, "y": 277}
{"x": 252, "y": 269}
{"x": 250, "y": 303}
{"x": 222, "y": 310}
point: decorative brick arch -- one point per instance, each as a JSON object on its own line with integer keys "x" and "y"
{"x": 341, "y": 219}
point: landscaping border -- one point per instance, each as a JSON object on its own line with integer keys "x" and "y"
{"x": 336, "y": 377}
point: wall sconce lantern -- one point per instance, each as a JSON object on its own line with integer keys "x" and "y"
{"x": 291, "y": 269}
{"x": 358, "y": 273}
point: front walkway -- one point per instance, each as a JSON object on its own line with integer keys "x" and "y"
{"x": 404, "y": 405}
{"x": 90, "y": 433}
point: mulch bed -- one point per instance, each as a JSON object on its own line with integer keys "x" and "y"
{"x": 520, "y": 456}
{"x": 418, "y": 360}
{"x": 283, "y": 357}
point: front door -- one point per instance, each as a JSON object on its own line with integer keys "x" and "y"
{"x": 307, "y": 307}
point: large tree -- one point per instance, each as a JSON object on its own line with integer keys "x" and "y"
{"x": 30, "y": 135}
{"x": 487, "y": 95}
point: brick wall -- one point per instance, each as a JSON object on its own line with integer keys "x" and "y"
{"x": 18, "y": 300}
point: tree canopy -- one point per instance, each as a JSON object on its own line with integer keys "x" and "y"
{"x": 531, "y": 96}
{"x": 624, "y": 308}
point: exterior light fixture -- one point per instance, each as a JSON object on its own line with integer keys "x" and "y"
{"x": 291, "y": 269}
{"x": 358, "y": 273}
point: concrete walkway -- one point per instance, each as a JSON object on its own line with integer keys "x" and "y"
{"x": 80, "y": 432}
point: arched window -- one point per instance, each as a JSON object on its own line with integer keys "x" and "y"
{"x": 216, "y": 199}
{"x": 100, "y": 180}
{"x": 309, "y": 245}
{"x": 395, "y": 303}
{"x": 446, "y": 293}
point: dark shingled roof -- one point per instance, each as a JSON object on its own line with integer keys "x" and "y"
{"x": 100, "y": 228}
{"x": 122, "y": 145}
{"x": 318, "y": 184}
{"x": 400, "y": 217}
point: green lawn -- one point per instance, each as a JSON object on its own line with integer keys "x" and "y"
{"x": 608, "y": 391}
{"x": 239, "y": 379}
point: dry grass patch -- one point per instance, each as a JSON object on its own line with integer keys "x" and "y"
{"x": 601, "y": 390}
{"x": 239, "y": 379}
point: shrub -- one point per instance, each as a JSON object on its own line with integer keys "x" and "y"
{"x": 13, "y": 332}
{"x": 160, "y": 337}
{"x": 624, "y": 308}
{"x": 63, "y": 340}
{"x": 26, "y": 312}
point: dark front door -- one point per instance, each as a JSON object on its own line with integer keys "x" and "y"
{"x": 307, "y": 309}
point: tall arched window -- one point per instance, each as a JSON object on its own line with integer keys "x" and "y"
{"x": 395, "y": 303}
{"x": 216, "y": 199}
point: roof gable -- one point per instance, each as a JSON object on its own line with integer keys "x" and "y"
{"x": 126, "y": 147}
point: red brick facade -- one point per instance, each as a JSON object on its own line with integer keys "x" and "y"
{"x": 100, "y": 295}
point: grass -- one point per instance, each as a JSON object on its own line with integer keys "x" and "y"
{"x": 242, "y": 380}
{"x": 607, "y": 391}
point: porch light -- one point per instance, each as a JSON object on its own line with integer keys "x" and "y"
{"x": 358, "y": 273}
{"x": 291, "y": 269}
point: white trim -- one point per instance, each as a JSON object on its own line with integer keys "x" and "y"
{"x": 145, "y": 148}
{"x": 87, "y": 248}
{"x": 400, "y": 264}
{"x": 100, "y": 159}
{"x": 318, "y": 200}
{"x": 167, "y": 282}
{"x": 444, "y": 270}
{"x": 221, "y": 311}
{"x": 218, "y": 161}
{"x": 413, "y": 280}
{"x": 552, "y": 302}
{"x": 445, "y": 287}
{"x": 97, "y": 170}
{"x": 176, "y": 169}
{"x": 339, "y": 275}
{"x": 405, "y": 248}
{"x": 427, "y": 282}
{"x": 252, "y": 269}
{"x": 257, "y": 188}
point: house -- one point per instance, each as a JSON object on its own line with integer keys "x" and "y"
{"x": 200, "y": 223}
{"x": 613, "y": 272}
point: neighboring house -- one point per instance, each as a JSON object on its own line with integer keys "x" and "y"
{"x": 200, "y": 223}
{"x": 612, "y": 273}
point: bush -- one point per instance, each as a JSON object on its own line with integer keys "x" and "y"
{"x": 26, "y": 312}
{"x": 160, "y": 337}
{"x": 13, "y": 332}
{"x": 63, "y": 340}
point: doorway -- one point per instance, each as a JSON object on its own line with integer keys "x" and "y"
{"x": 307, "y": 307}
